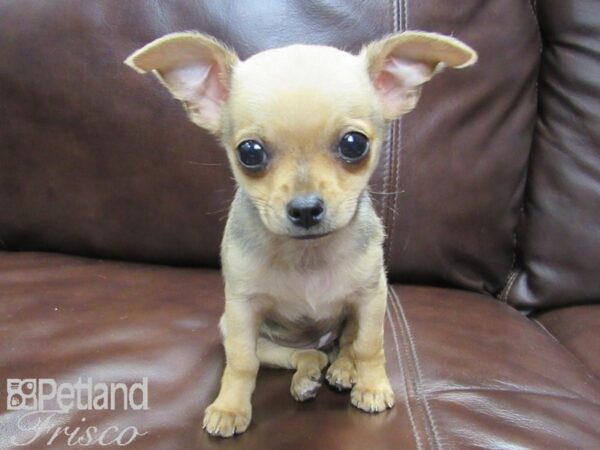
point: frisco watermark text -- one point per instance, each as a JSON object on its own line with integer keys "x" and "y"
{"x": 42, "y": 400}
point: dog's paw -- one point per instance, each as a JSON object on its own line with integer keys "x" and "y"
{"x": 225, "y": 423}
{"x": 341, "y": 374}
{"x": 372, "y": 399}
{"x": 306, "y": 383}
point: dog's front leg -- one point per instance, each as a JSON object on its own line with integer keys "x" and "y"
{"x": 231, "y": 412}
{"x": 372, "y": 391}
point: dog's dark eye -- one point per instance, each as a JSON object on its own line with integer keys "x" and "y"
{"x": 252, "y": 155}
{"x": 353, "y": 147}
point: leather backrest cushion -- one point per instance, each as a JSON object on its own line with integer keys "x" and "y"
{"x": 459, "y": 162}
{"x": 97, "y": 160}
{"x": 559, "y": 263}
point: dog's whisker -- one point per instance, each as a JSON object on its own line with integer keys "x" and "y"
{"x": 198, "y": 163}
{"x": 217, "y": 211}
{"x": 387, "y": 193}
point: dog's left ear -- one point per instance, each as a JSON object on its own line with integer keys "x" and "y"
{"x": 401, "y": 63}
{"x": 196, "y": 68}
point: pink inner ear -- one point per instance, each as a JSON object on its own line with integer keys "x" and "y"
{"x": 398, "y": 81}
{"x": 215, "y": 95}
{"x": 407, "y": 73}
{"x": 391, "y": 92}
{"x": 201, "y": 87}
{"x": 385, "y": 82}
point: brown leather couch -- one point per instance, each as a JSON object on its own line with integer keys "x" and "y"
{"x": 490, "y": 192}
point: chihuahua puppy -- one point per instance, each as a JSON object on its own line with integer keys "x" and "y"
{"x": 303, "y": 127}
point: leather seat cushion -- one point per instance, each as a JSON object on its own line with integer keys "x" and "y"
{"x": 467, "y": 370}
{"x": 577, "y": 328}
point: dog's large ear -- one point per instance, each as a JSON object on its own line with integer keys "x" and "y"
{"x": 401, "y": 63}
{"x": 196, "y": 68}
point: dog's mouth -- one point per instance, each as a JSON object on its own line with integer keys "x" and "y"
{"x": 306, "y": 237}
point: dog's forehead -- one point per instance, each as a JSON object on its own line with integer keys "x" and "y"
{"x": 301, "y": 52}
{"x": 301, "y": 65}
{"x": 300, "y": 87}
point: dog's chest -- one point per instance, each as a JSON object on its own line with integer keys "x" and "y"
{"x": 315, "y": 294}
{"x": 304, "y": 309}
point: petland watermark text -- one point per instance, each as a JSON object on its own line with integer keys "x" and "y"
{"x": 43, "y": 400}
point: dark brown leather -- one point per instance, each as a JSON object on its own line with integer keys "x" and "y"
{"x": 560, "y": 242}
{"x": 468, "y": 371}
{"x": 459, "y": 164}
{"x": 98, "y": 160}
{"x": 576, "y": 328}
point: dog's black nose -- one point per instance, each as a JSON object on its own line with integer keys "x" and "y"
{"x": 306, "y": 211}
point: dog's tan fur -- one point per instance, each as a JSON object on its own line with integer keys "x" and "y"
{"x": 299, "y": 101}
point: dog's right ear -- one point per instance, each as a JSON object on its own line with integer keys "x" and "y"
{"x": 196, "y": 68}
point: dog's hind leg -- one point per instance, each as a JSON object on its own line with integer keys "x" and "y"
{"x": 309, "y": 364}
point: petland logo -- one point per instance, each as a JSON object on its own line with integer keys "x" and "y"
{"x": 44, "y": 399}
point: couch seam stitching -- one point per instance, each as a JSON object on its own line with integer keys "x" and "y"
{"x": 515, "y": 271}
{"x": 386, "y": 175}
{"x": 512, "y": 277}
{"x": 401, "y": 24}
{"x": 414, "y": 378}
{"x": 392, "y": 166}
{"x": 404, "y": 377}
{"x": 394, "y": 185}
{"x": 419, "y": 377}
{"x": 388, "y": 143}
{"x": 415, "y": 382}
{"x": 508, "y": 391}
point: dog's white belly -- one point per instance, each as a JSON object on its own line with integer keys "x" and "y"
{"x": 304, "y": 309}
